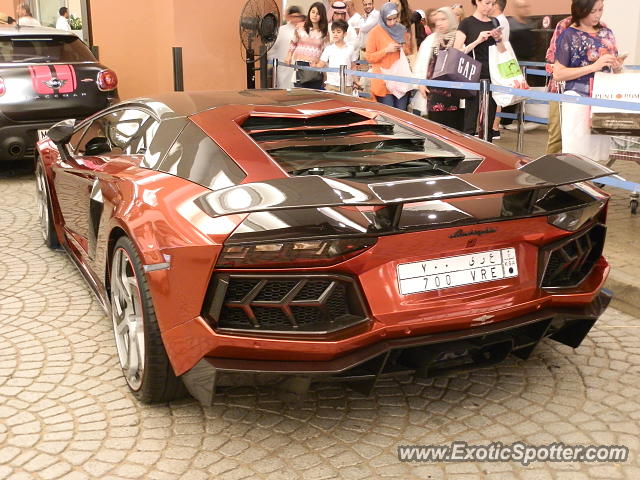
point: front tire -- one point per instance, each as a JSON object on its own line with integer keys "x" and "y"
{"x": 43, "y": 203}
{"x": 142, "y": 355}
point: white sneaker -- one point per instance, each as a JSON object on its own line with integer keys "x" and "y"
{"x": 528, "y": 126}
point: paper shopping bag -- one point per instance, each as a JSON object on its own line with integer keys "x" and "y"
{"x": 505, "y": 71}
{"x": 615, "y": 121}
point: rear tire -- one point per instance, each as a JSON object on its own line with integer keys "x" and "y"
{"x": 43, "y": 202}
{"x": 142, "y": 355}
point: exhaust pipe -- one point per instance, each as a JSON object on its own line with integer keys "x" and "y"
{"x": 14, "y": 148}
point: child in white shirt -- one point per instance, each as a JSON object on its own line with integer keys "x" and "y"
{"x": 336, "y": 54}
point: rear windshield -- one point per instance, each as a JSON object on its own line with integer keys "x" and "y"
{"x": 44, "y": 49}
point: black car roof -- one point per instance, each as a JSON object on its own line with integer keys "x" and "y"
{"x": 14, "y": 31}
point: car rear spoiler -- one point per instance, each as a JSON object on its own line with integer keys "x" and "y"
{"x": 315, "y": 191}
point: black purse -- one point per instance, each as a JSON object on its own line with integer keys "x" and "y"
{"x": 307, "y": 76}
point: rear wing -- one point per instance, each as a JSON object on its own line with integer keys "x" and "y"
{"x": 314, "y": 191}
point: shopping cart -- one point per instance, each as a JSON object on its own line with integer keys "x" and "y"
{"x": 626, "y": 148}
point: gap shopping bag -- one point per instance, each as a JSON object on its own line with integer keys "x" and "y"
{"x": 454, "y": 66}
{"x": 505, "y": 71}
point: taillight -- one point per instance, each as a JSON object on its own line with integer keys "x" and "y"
{"x": 2, "y": 89}
{"x": 302, "y": 253}
{"x": 107, "y": 80}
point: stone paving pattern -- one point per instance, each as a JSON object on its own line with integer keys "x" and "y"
{"x": 66, "y": 413}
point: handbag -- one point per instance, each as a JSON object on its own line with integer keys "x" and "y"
{"x": 307, "y": 76}
{"x": 452, "y": 65}
{"x": 400, "y": 68}
{"x": 506, "y": 72}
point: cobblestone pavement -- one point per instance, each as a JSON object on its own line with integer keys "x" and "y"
{"x": 65, "y": 411}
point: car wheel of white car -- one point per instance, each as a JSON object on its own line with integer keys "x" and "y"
{"x": 140, "y": 349}
{"x": 44, "y": 208}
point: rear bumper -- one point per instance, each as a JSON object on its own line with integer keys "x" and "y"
{"x": 423, "y": 356}
{"x": 18, "y": 141}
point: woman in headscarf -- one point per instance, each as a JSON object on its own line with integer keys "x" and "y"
{"x": 458, "y": 10}
{"x": 384, "y": 43}
{"x": 438, "y": 104}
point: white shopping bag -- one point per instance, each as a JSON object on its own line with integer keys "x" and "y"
{"x": 576, "y": 133}
{"x": 505, "y": 71}
{"x": 616, "y": 121}
{"x": 400, "y": 68}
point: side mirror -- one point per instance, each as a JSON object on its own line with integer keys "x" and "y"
{"x": 97, "y": 146}
{"x": 61, "y": 132}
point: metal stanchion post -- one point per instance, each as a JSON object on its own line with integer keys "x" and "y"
{"x": 178, "y": 76}
{"x": 520, "y": 126}
{"x": 343, "y": 78}
{"x": 484, "y": 106}
{"x": 520, "y": 119}
{"x": 274, "y": 72}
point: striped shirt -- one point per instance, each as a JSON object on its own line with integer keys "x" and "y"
{"x": 307, "y": 47}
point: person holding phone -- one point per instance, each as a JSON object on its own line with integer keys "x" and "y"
{"x": 475, "y": 35}
{"x": 584, "y": 48}
{"x": 384, "y": 43}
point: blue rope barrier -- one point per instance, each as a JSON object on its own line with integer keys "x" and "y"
{"x": 417, "y": 81}
{"x": 619, "y": 182}
{"x": 524, "y": 64}
{"x": 538, "y": 73}
{"x": 527, "y": 94}
{"x": 311, "y": 69}
{"x": 527, "y": 118}
{"x": 556, "y": 97}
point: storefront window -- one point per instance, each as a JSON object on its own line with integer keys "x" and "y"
{"x": 47, "y": 13}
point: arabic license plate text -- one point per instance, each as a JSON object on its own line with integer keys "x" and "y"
{"x": 457, "y": 271}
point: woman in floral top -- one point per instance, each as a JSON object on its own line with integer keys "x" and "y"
{"x": 584, "y": 48}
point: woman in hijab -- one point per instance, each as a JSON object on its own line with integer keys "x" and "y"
{"x": 384, "y": 43}
{"x": 438, "y": 104}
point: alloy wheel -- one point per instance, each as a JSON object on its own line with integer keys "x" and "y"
{"x": 42, "y": 202}
{"x": 127, "y": 315}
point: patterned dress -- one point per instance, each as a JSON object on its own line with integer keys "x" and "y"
{"x": 576, "y": 48}
{"x": 307, "y": 47}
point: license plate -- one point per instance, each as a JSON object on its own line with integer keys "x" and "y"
{"x": 42, "y": 134}
{"x": 457, "y": 271}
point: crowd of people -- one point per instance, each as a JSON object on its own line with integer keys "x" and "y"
{"x": 394, "y": 40}
{"x": 398, "y": 40}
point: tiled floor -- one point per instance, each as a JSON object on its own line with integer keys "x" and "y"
{"x": 66, "y": 413}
